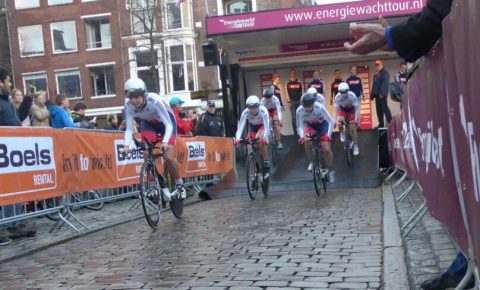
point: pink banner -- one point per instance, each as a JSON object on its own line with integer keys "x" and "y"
{"x": 315, "y": 45}
{"x": 312, "y": 15}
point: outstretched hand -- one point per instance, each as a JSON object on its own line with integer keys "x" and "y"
{"x": 369, "y": 37}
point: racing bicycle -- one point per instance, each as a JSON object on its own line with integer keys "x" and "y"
{"x": 320, "y": 171}
{"x": 255, "y": 175}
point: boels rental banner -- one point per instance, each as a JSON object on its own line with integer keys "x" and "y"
{"x": 38, "y": 163}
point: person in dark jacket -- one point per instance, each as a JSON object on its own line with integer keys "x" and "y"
{"x": 10, "y": 116}
{"x": 209, "y": 124}
{"x": 112, "y": 123}
{"x": 59, "y": 114}
{"x": 380, "y": 89}
{"x": 411, "y": 39}
{"x": 78, "y": 116}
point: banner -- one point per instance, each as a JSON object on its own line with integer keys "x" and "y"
{"x": 38, "y": 163}
{"x": 311, "y": 15}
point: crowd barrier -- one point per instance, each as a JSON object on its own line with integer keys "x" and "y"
{"x": 46, "y": 171}
{"x": 435, "y": 139}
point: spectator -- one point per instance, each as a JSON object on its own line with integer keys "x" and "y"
{"x": 317, "y": 83}
{"x": 40, "y": 115}
{"x": 184, "y": 126}
{"x": 123, "y": 126}
{"x": 59, "y": 113}
{"x": 379, "y": 93}
{"x": 355, "y": 83}
{"x": 11, "y": 116}
{"x": 78, "y": 116}
{"x": 411, "y": 39}
{"x": 112, "y": 123}
{"x": 209, "y": 124}
{"x": 334, "y": 85}
{"x": 193, "y": 116}
{"x": 276, "y": 89}
{"x": 401, "y": 76}
{"x": 294, "y": 90}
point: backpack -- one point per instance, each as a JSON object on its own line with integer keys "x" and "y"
{"x": 396, "y": 91}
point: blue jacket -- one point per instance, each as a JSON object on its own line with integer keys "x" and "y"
{"x": 381, "y": 82}
{"x": 60, "y": 118}
{"x": 9, "y": 115}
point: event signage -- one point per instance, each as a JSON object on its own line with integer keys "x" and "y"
{"x": 39, "y": 163}
{"x": 311, "y": 15}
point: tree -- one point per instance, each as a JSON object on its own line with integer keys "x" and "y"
{"x": 5, "y": 57}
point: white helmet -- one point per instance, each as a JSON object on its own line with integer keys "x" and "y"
{"x": 343, "y": 87}
{"x": 135, "y": 84}
{"x": 312, "y": 91}
{"x": 253, "y": 101}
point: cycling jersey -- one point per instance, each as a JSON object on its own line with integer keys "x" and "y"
{"x": 273, "y": 106}
{"x": 318, "y": 116}
{"x": 355, "y": 84}
{"x": 261, "y": 118}
{"x": 401, "y": 77}
{"x": 319, "y": 85}
{"x": 346, "y": 103}
{"x": 155, "y": 111}
{"x": 334, "y": 87}
{"x": 294, "y": 89}
{"x": 320, "y": 99}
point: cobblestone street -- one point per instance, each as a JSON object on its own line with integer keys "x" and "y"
{"x": 289, "y": 241}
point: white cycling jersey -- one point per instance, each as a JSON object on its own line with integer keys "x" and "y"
{"x": 272, "y": 104}
{"x": 155, "y": 110}
{"x": 261, "y": 118}
{"x": 320, "y": 99}
{"x": 317, "y": 116}
{"x": 347, "y": 102}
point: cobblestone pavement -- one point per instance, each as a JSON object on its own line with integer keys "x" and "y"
{"x": 289, "y": 240}
{"x": 429, "y": 249}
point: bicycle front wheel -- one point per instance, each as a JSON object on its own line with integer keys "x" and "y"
{"x": 92, "y": 195}
{"x": 317, "y": 171}
{"x": 252, "y": 176}
{"x": 150, "y": 195}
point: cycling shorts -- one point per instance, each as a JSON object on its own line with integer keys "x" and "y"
{"x": 272, "y": 112}
{"x": 252, "y": 130}
{"x": 320, "y": 128}
{"x": 153, "y": 131}
{"x": 348, "y": 114}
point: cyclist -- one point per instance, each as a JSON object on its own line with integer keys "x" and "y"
{"x": 346, "y": 107}
{"x": 312, "y": 117}
{"x": 157, "y": 121}
{"x": 274, "y": 108}
{"x": 259, "y": 127}
{"x": 319, "y": 97}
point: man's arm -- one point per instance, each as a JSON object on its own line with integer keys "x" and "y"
{"x": 241, "y": 125}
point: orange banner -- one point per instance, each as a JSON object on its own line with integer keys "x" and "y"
{"x": 38, "y": 163}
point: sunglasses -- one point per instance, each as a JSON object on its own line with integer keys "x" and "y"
{"x": 252, "y": 106}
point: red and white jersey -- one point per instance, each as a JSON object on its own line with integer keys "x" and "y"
{"x": 260, "y": 118}
{"x": 347, "y": 102}
{"x": 317, "y": 116}
{"x": 272, "y": 104}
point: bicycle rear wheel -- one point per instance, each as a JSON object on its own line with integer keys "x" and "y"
{"x": 348, "y": 150}
{"x": 92, "y": 195}
{"x": 324, "y": 178}
{"x": 265, "y": 184}
{"x": 273, "y": 149}
{"x": 317, "y": 171}
{"x": 252, "y": 176}
{"x": 176, "y": 204}
{"x": 150, "y": 195}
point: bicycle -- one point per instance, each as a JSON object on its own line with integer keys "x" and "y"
{"x": 320, "y": 172}
{"x": 348, "y": 144}
{"x": 155, "y": 188}
{"x": 254, "y": 170}
{"x": 273, "y": 142}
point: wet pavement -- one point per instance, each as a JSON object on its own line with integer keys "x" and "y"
{"x": 290, "y": 240}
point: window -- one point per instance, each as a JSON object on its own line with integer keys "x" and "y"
{"x": 58, "y": 2}
{"x": 143, "y": 20}
{"x": 37, "y": 81}
{"x": 102, "y": 80}
{"x": 235, "y": 6}
{"x": 2, "y": 4}
{"x": 64, "y": 36}
{"x": 24, "y": 4}
{"x": 174, "y": 16}
{"x": 31, "y": 40}
{"x": 147, "y": 64}
{"x": 181, "y": 70}
{"x": 68, "y": 83}
{"x": 98, "y": 33}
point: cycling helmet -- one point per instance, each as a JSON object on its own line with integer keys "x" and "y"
{"x": 252, "y": 102}
{"x": 312, "y": 91}
{"x": 343, "y": 87}
{"x": 135, "y": 85}
{"x": 308, "y": 99}
{"x": 268, "y": 93}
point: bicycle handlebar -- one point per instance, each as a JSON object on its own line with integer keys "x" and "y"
{"x": 249, "y": 141}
